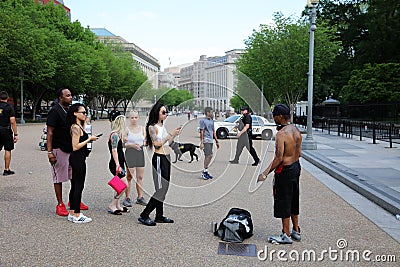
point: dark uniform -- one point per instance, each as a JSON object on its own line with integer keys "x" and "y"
{"x": 245, "y": 140}
{"x": 6, "y": 134}
{"x": 113, "y": 115}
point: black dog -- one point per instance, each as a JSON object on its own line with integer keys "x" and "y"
{"x": 179, "y": 149}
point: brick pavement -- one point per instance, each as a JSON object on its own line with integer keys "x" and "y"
{"x": 32, "y": 235}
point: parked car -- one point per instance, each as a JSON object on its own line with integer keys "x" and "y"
{"x": 260, "y": 127}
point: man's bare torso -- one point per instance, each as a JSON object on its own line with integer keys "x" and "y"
{"x": 289, "y": 139}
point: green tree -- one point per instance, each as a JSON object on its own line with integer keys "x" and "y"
{"x": 236, "y": 102}
{"x": 369, "y": 31}
{"x": 277, "y": 57}
{"x": 170, "y": 97}
{"x": 378, "y": 83}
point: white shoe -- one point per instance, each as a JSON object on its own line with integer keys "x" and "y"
{"x": 70, "y": 217}
{"x": 282, "y": 239}
{"x": 296, "y": 236}
{"x": 81, "y": 219}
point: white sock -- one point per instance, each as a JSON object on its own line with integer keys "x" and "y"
{"x": 205, "y": 170}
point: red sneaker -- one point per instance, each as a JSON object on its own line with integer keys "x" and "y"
{"x": 82, "y": 206}
{"x": 61, "y": 210}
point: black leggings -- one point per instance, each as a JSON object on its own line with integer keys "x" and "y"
{"x": 78, "y": 164}
{"x": 161, "y": 177}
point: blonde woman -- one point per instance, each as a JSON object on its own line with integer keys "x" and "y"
{"x": 117, "y": 161}
{"x": 134, "y": 156}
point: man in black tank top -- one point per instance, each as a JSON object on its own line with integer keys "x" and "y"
{"x": 8, "y": 131}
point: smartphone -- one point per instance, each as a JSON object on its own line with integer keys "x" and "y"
{"x": 98, "y": 135}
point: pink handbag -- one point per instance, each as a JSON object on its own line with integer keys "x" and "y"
{"x": 117, "y": 184}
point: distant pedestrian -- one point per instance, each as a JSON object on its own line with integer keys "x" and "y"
{"x": 117, "y": 163}
{"x": 76, "y": 117}
{"x": 59, "y": 146}
{"x": 195, "y": 113}
{"x": 287, "y": 173}
{"x": 207, "y": 136}
{"x": 188, "y": 115}
{"x": 114, "y": 114}
{"x": 134, "y": 156}
{"x": 245, "y": 137}
{"x": 8, "y": 131}
{"x": 158, "y": 137}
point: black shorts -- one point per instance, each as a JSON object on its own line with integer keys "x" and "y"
{"x": 134, "y": 158}
{"x": 6, "y": 139}
{"x": 286, "y": 191}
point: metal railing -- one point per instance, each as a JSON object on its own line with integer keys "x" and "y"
{"x": 388, "y": 132}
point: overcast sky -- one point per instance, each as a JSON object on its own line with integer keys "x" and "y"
{"x": 178, "y": 31}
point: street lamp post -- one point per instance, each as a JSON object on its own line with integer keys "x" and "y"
{"x": 309, "y": 143}
{"x": 22, "y": 121}
{"x": 262, "y": 100}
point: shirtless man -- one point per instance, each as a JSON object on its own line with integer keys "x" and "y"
{"x": 287, "y": 172}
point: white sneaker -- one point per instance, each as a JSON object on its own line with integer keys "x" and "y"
{"x": 70, "y": 217}
{"x": 81, "y": 219}
{"x": 282, "y": 239}
{"x": 296, "y": 236}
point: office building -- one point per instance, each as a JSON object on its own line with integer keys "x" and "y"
{"x": 147, "y": 62}
{"x": 212, "y": 80}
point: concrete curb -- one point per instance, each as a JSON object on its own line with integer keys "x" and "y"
{"x": 367, "y": 190}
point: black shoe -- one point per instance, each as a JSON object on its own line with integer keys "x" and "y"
{"x": 148, "y": 221}
{"x": 255, "y": 163}
{"x": 9, "y": 172}
{"x": 164, "y": 220}
{"x": 234, "y": 162}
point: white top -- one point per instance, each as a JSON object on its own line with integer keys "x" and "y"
{"x": 135, "y": 138}
{"x": 161, "y": 134}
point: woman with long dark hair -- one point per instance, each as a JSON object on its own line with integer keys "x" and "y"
{"x": 158, "y": 137}
{"x": 76, "y": 117}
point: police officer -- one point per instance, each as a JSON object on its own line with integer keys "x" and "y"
{"x": 245, "y": 136}
{"x": 8, "y": 131}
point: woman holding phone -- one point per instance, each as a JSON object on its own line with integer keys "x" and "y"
{"x": 76, "y": 117}
{"x": 158, "y": 137}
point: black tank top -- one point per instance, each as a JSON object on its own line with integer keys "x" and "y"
{"x": 121, "y": 156}
{"x": 83, "y": 150}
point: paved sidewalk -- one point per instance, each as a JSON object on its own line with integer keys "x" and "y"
{"x": 31, "y": 234}
{"x": 373, "y": 170}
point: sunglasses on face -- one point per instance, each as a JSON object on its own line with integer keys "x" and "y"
{"x": 83, "y": 112}
{"x": 164, "y": 112}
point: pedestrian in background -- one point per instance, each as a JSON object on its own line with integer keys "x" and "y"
{"x": 59, "y": 146}
{"x": 114, "y": 114}
{"x": 245, "y": 138}
{"x": 134, "y": 156}
{"x": 8, "y": 131}
{"x": 158, "y": 137}
{"x": 76, "y": 117}
{"x": 207, "y": 137}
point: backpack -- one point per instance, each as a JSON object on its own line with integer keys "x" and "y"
{"x": 236, "y": 226}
